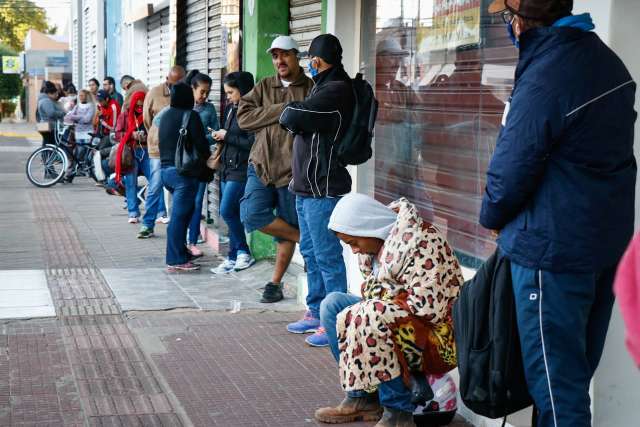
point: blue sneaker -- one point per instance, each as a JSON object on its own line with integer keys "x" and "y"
{"x": 319, "y": 339}
{"x": 306, "y": 325}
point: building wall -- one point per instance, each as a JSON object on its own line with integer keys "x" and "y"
{"x": 113, "y": 33}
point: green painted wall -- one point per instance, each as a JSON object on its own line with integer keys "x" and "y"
{"x": 269, "y": 19}
{"x": 323, "y": 28}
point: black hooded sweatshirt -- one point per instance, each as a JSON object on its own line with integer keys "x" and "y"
{"x": 319, "y": 123}
{"x": 171, "y": 122}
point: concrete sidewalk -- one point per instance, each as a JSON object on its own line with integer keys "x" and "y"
{"x": 130, "y": 344}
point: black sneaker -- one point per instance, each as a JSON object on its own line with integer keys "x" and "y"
{"x": 272, "y": 293}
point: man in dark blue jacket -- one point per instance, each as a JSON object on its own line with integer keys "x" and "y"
{"x": 560, "y": 193}
{"x": 319, "y": 180}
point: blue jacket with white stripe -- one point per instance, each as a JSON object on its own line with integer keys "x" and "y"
{"x": 561, "y": 183}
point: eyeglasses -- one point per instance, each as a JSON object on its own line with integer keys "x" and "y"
{"x": 507, "y": 16}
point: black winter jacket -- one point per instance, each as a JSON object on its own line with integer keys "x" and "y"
{"x": 319, "y": 122}
{"x": 236, "y": 148}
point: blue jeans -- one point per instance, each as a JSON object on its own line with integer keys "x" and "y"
{"x": 194, "y": 225}
{"x": 154, "y": 202}
{"x": 563, "y": 320}
{"x": 259, "y": 202}
{"x": 184, "y": 191}
{"x": 231, "y": 193}
{"x": 321, "y": 250}
{"x": 140, "y": 162}
{"x": 392, "y": 394}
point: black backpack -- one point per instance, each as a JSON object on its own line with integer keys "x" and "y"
{"x": 355, "y": 145}
{"x": 492, "y": 381}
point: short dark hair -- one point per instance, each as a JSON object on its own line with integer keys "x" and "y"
{"x": 70, "y": 89}
{"x": 95, "y": 81}
{"x": 126, "y": 77}
{"x": 241, "y": 80}
{"x": 110, "y": 80}
{"x": 49, "y": 87}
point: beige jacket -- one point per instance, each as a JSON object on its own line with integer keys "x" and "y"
{"x": 156, "y": 99}
{"x": 258, "y": 112}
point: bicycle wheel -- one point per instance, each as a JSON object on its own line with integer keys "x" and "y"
{"x": 46, "y": 166}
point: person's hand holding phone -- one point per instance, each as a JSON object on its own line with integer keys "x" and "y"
{"x": 218, "y": 135}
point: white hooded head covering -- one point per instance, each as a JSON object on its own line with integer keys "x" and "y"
{"x": 362, "y": 216}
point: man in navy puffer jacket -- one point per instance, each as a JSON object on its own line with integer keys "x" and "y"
{"x": 560, "y": 192}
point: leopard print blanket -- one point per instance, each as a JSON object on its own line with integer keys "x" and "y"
{"x": 404, "y": 322}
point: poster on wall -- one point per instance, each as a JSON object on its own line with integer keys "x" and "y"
{"x": 11, "y": 65}
{"x": 452, "y": 23}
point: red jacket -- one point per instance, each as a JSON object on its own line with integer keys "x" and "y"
{"x": 109, "y": 116}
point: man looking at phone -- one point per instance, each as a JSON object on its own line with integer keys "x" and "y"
{"x": 269, "y": 171}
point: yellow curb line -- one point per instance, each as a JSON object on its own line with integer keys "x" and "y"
{"x": 20, "y": 135}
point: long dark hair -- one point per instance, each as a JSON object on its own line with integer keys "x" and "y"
{"x": 241, "y": 80}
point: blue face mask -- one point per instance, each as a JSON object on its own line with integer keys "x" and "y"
{"x": 512, "y": 36}
{"x": 313, "y": 70}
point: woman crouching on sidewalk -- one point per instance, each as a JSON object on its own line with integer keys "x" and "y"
{"x": 401, "y": 329}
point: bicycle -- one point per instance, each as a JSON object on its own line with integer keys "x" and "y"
{"x": 49, "y": 164}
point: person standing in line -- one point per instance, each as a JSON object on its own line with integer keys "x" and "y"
{"x": 560, "y": 197}
{"x": 269, "y": 171}
{"x": 136, "y": 137}
{"x": 108, "y": 112}
{"x": 201, "y": 85}
{"x": 183, "y": 188}
{"x": 109, "y": 84}
{"x": 81, "y": 116}
{"x": 234, "y": 160}
{"x": 157, "y": 99}
{"x": 93, "y": 86}
{"x": 319, "y": 123}
{"x": 49, "y": 110}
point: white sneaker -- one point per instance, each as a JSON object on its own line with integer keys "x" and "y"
{"x": 133, "y": 220}
{"x": 226, "y": 267}
{"x": 163, "y": 220}
{"x": 244, "y": 261}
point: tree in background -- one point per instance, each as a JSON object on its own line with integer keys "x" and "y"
{"x": 19, "y": 16}
{"x": 10, "y": 84}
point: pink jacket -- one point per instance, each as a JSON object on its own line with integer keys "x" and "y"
{"x": 627, "y": 289}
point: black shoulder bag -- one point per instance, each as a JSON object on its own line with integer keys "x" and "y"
{"x": 188, "y": 161}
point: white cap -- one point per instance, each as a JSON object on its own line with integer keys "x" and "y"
{"x": 284, "y": 43}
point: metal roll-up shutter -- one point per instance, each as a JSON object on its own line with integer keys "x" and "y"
{"x": 89, "y": 39}
{"x": 196, "y": 35}
{"x": 215, "y": 68}
{"x": 75, "y": 54}
{"x": 305, "y": 21}
{"x": 158, "y": 50}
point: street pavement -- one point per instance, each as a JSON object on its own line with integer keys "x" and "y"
{"x": 94, "y": 332}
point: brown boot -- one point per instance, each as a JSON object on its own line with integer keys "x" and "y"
{"x": 351, "y": 409}
{"x": 395, "y": 418}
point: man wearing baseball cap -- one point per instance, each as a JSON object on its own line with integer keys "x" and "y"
{"x": 560, "y": 194}
{"x": 269, "y": 171}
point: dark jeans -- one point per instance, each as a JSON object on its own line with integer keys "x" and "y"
{"x": 563, "y": 320}
{"x": 231, "y": 193}
{"x": 194, "y": 225}
{"x": 184, "y": 191}
{"x": 392, "y": 394}
{"x": 321, "y": 250}
{"x": 140, "y": 162}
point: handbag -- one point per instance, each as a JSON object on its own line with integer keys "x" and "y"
{"x": 43, "y": 127}
{"x": 126, "y": 163}
{"x": 188, "y": 161}
{"x": 214, "y": 160}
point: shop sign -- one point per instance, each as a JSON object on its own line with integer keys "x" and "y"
{"x": 454, "y": 23}
{"x": 11, "y": 65}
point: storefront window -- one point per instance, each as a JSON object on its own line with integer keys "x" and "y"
{"x": 443, "y": 70}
